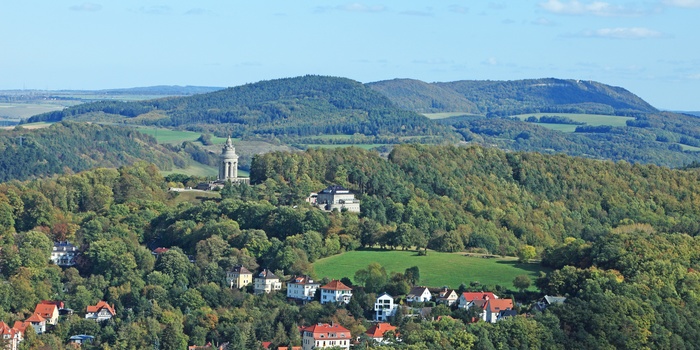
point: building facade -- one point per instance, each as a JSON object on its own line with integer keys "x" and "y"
{"x": 228, "y": 162}
{"x": 335, "y": 197}
{"x": 323, "y": 335}
{"x": 384, "y": 307}
{"x": 239, "y": 277}
{"x": 64, "y": 253}
{"x": 266, "y": 282}
{"x": 302, "y": 288}
{"x": 335, "y": 292}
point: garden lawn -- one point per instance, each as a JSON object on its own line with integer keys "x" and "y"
{"x": 436, "y": 269}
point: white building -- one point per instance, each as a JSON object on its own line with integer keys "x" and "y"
{"x": 335, "y": 292}
{"x": 302, "y": 288}
{"x": 100, "y": 312}
{"x": 419, "y": 295}
{"x": 63, "y": 253}
{"x": 384, "y": 307}
{"x": 335, "y": 197}
{"x": 324, "y": 335}
{"x": 266, "y": 282}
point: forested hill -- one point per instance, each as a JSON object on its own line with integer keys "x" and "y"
{"x": 504, "y": 98}
{"x": 302, "y": 106}
{"x": 72, "y": 147}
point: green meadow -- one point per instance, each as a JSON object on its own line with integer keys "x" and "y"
{"x": 589, "y": 119}
{"x": 436, "y": 269}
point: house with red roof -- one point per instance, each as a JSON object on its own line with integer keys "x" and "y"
{"x": 324, "y": 335}
{"x": 100, "y": 312}
{"x": 335, "y": 292}
{"x": 11, "y": 336}
{"x": 494, "y": 308}
{"x": 378, "y": 330}
{"x": 467, "y": 298}
{"x": 48, "y": 312}
{"x": 38, "y": 323}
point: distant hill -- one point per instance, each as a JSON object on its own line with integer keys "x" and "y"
{"x": 504, "y": 98}
{"x": 167, "y": 90}
{"x": 291, "y": 107}
{"x": 72, "y": 147}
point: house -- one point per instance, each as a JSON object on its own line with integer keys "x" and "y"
{"x": 239, "y": 277}
{"x": 335, "y": 292}
{"x": 505, "y": 314}
{"x": 323, "y": 335}
{"x": 38, "y": 323}
{"x": 11, "y": 337}
{"x": 302, "y": 288}
{"x": 384, "y": 307}
{"x": 100, "y": 312}
{"x": 447, "y": 296}
{"x": 494, "y": 307}
{"x": 335, "y": 197}
{"x": 266, "y": 282}
{"x": 467, "y": 298}
{"x": 378, "y": 330}
{"x": 159, "y": 251}
{"x": 547, "y": 301}
{"x": 64, "y": 253}
{"x": 81, "y": 339}
{"x": 48, "y": 311}
{"x": 419, "y": 295}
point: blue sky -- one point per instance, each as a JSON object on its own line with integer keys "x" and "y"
{"x": 648, "y": 47}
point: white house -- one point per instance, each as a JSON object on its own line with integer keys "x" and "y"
{"x": 335, "y": 197}
{"x": 302, "y": 288}
{"x": 466, "y": 300}
{"x": 378, "y": 330}
{"x": 335, "y": 292}
{"x": 266, "y": 282}
{"x": 384, "y": 307}
{"x": 419, "y": 295}
{"x": 325, "y": 335}
{"x": 447, "y": 296}
{"x": 100, "y": 312}
{"x": 63, "y": 253}
{"x": 494, "y": 307}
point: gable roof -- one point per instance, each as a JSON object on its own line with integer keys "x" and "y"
{"x": 101, "y": 305}
{"x": 59, "y": 304}
{"x": 554, "y": 300}
{"x": 325, "y": 328}
{"x": 385, "y": 294}
{"x": 240, "y": 269}
{"x": 497, "y": 305}
{"x": 46, "y": 310}
{"x": 336, "y": 285}
{"x": 21, "y": 326}
{"x": 6, "y": 330}
{"x": 481, "y": 303}
{"x": 418, "y": 291}
{"x": 378, "y": 330}
{"x": 471, "y": 296}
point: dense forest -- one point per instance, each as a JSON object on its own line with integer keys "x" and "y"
{"x": 303, "y": 106}
{"x": 72, "y": 147}
{"x": 506, "y": 98}
{"x": 621, "y": 239}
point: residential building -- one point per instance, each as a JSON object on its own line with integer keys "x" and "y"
{"x": 10, "y": 336}
{"x": 64, "y": 253}
{"x": 494, "y": 307}
{"x": 323, "y": 335}
{"x": 100, "y": 312}
{"x": 239, "y": 277}
{"x": 547, "y": 301}
{"x": 505, "y": 314}
{"x": 38, "y": 323}
{"x": 378, "y": 330}
{"x": 302, "y": 288}
{"x": 465, "y": 300}
{"x": 419, "y": 295}
{"x": 159, "y": 251}
{"x": 335, "y": 292}
{"x": 384, "y": 307}
{"x": 81, "y": 339}
{"x": 335, "y": 197}
{"x": 48, "y": 311}
{"x": 447, "y": 296}
{"x": 266, "y": 282}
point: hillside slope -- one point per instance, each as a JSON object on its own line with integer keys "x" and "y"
{"x": 503, "y": 98}
{"x": 302, "y": 106}
{"x": 72, "y": 147}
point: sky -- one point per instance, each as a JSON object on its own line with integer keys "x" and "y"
{"x": 651, "y": 48}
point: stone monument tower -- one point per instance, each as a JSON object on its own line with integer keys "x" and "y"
{"x": 228, "y": 162}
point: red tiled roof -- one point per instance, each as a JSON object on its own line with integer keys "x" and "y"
{"x": 101, "y": 305}
{"x": 6, "y": 330}
{"x": 59, "y": 304}
{"x": 45, "y": 310}
{"x": 266, "y": 344}
{"x": 470, "y": 296}
{"x": 36, "y": 318}
{"x": 378, "y": 330}
{"x": 327, "y": 329}
{"x": 497, "y": 305}
{"x": 301, "y": 280}
{"x": 160, "y": 250}
{"x": 21, "y": 326}
{"x": 336, "y": 285}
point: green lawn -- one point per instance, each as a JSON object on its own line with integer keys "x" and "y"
{"x": 436, "y": 269}
{"x": 177, "y": 136}
{"x": 589, "y": 119}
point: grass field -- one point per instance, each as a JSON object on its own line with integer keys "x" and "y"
{"x": 38, "y": 125}
{"x": 589, "y": 119}
{"x": 26, "y": 110}
{"x": 689, "y": 148}
{"x": 177, "y": 136}
{"x": 436, "y": 269}
{"x": 447, "y": 115}
{"x": 363, "y": 146}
